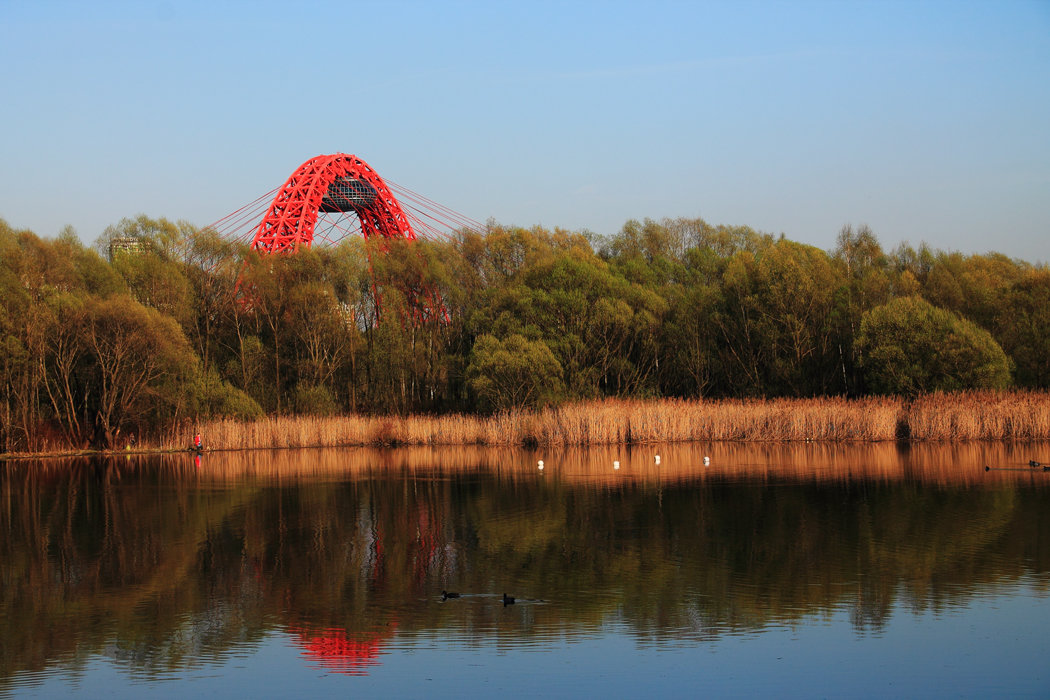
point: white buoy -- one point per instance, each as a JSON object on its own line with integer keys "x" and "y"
{"x": 657, "y": 459}
{"x": 707, "y": 461}
{"x": 541, "y": 465}
{"x": 616, "y": 464}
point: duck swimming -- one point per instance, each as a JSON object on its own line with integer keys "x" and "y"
{"x": 507, "y": 600}
{"x": 445, "y": 595}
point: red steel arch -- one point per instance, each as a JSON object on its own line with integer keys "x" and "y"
{"x": 331, "y": 183}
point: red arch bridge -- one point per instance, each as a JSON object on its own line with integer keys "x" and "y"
{"x": 330, "y": 197}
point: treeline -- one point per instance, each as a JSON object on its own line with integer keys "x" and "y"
{"x": 162, "y": 323}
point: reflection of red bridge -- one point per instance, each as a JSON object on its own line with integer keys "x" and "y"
{"x": 333, "y": 650}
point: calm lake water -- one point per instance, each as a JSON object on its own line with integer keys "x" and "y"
{"x": 800, "y": 570}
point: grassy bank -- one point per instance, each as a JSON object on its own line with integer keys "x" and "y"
{"x": 936, "y": 417}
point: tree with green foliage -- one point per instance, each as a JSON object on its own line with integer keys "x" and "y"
{"x": 691, "y": 364}
{"x": 1023, "y": 328}
{"x": 908, "y": 347}
{"x": 141, "y": 365}
{"x": 513, "y": 373}
{"x": 601, "y": 327}
{"x": 267, "y": 283}
{"x": 405, "y": 349}
{"x": 211, "y": 396}
{"x": 39, "y": 278}
{"x": 776, "y": 320}
{"x": 866, "y": 283}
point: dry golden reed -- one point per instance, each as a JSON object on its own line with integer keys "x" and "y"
{"x": 981, "y": 415}
{"x": 978, "y": 415}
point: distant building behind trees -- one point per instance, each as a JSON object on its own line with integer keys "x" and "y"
{"x": 124, "y": 245}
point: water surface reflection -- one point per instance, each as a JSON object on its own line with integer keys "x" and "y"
{"x": 161, "y": 565}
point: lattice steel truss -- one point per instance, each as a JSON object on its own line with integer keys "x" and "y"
{"x": 328, "y": 184}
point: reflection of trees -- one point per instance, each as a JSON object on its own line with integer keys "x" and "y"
{"x": 160, "y": 567}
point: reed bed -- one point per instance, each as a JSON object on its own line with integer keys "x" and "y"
{"x": 976, "y": 415}
{"x": 982, "y": 415}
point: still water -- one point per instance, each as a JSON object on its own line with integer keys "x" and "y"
{"x": 795, "y": 570}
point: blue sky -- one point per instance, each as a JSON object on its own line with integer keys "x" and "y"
{"x": 928, "y": 121}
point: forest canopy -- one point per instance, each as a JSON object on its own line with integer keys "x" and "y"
{"x": 161, "y": 323}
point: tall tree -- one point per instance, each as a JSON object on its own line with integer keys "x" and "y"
{"x": 142, "y": 364}
{"x": 866, "y": 283}
{"x": 1023, "y": 327}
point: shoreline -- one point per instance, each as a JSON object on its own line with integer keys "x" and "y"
{"x": 73, "y": 454}
{"x": 956, "y": 417}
